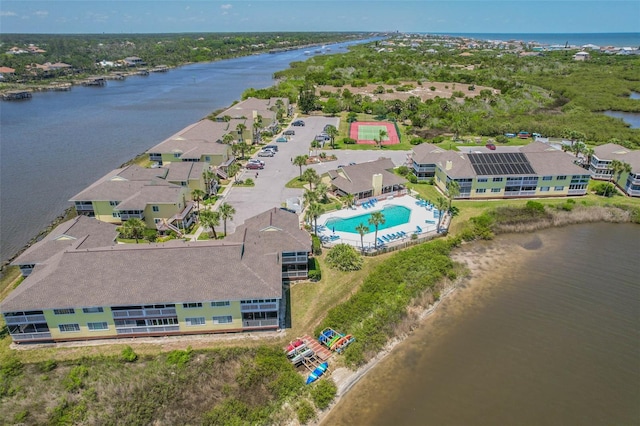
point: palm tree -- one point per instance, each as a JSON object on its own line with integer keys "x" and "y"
{"x": 240, "y": 128}
{"x": 311, "y": 176}
{"x": 376, "y": 219}
{"x": 322, "y": 189}
{"x": 228, "y": 138}
{"x": 440, "y": 205}
{"x": 589, "y": 153}
{"x": 233, "y": 170}
{"x": 300, "y": 160}
{"x": 578, "y": 148}
{"x": 257, "y": 128}
{"x": 133, "y": 228}
{"x": 617, "y": 167}
{"x": 210, "y": 219}
{"x": 313, "y": 212}
{"x": 310, "y": 197}
{"x": 349, "y": 200}
{"x": 362, "y": 229}
{"x": 381, "y": 135}
{"x": 226, "y": 212}
{"x": 332, "y": 132}
{"x": 453, "y": 190}
{"x": 197, "y": 195}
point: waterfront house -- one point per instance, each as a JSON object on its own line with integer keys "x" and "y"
{"x": 174, "y": 288}
{"x": 82, "y": 232}
{"x": 533, "y": 170}
{"x": 366, "y": 180}
{"x": 201, "y": 141}
{"x": 136, "y": 192}
{"x": 133, "y": 61}
{"x": 600, "y": 167}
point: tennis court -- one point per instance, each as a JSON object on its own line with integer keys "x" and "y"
{"x": 367, "y": 132}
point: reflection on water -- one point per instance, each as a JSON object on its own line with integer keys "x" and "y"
{"x": 545, "y": 333}
{"x": 631, "y": 118}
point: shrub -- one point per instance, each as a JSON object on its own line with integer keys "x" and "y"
{"x": 403, "y": 170}
{"x": 472, "y": 88}
{"x": 11, "y": 368}
{"x": 74, "y": 381}
{"x": 323, "y": 392}
{"x": 412, "y": 178}
{"x": 179, "y": 358}
{"x": 378, "y": 90}
{"x": 344, "y": 257}
{"x": 315, "y": 275}
{"x": 348, "y": 141}
{"x": 305, "y": 412}
{"x": 604, "y": 188}
{"x": 316, "y": 245}
{"x": 457, "y": 94}
{"x": 48, "y": 365}
{"x": 502, "y": 139}
{"x": 128, "y": 355}
{"x": 416, "y": 141}
{"x": 248, "y": 182}
{"x": 432, "y": 88}
{"x": 535, "y": 207}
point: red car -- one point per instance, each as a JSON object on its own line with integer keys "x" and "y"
{"x": 254, "y": 166}
{"x": 491, "y": 146}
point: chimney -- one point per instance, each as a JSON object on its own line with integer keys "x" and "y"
{"x": 376, "y": 183}
{"x": 449, "y": 165}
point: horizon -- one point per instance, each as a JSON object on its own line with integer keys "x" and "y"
{"x": 249, "y": 16}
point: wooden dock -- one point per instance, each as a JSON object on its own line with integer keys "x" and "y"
{"x": 322, "y": 352}
{"x": 14, "y": 95}
{"x": 95, "y": 81}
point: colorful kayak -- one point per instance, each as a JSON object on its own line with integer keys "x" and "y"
{"x": 293, "y": 346}
{"x": 342, "y": 342}
{"x": 319, "y": 371}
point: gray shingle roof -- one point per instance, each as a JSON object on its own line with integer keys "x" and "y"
{"x": 612, "y": 151}
{"x": 172, "y": 272}
{"x": 358, "y": 178}
{"x": 264, "y": 107}
{"x": 182, "y": 171}
{"x": 425, "y": 153}
{"x": 201, "y": 138}
{"x": 81, "y": 231}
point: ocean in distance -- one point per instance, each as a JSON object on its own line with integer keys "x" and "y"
{"x": 575, "y": 39}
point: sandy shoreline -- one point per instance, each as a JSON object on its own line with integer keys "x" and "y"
{"x": 478, "y": 257}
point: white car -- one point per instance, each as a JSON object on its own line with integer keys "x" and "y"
{"x": 266, "y": 153}
{"x": 255, "y": 161}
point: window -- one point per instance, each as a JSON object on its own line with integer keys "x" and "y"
{"x": 113, "y": 203}
{"x": 544, "y": 188}
{"x": 497, "y": 179}
{"x": 68, "y": 328}
{"x": 176, "y": 155}
{"x": 64, "y": 311}
{"x": 192, "y": 305}
{"x": 97, "y": 326}
{"x": 558, "y": 188}
{"x": 207, "y": 158}
{"x": 483, "y": 179}
{"x": 156, "y": 209}
{"x": 547, "y": 177}
{"x": 495, "y": 189}
{"x": 183, "y": 183}
{"x": 562, "y": 177}
{"x": 223, "y": 303}
{"x": 226, "y": 319}
{"x": 115, "y": 215}
{"x": 92, "y": 310}
{"x": 481, "y": 190}
{"x": 194, "y": 321}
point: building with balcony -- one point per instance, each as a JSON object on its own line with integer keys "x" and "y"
{"x": 199, "y": 142}
{"x": 174, "y": 288}
{"x": 533, "y": 170}
{"x": 600, "y": 167}
{"x": 271, "y": 111}
{"x": 146, "y": 194}
{"x": 366, "y": 180}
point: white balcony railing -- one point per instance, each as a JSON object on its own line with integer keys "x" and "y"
{"x": 259, "y": 307}
{"x": 24, "y": 319}
{"x": 260, "y": 323}
{"x": 141, "y": 313}
{"x": 149, "y": 330}
{"x": 286, "y": 260}
{"x": 19, "y": 337}
{"x": 295, "y": 274}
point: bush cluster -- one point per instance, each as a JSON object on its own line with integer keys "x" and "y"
{"x": 344, "y": 257}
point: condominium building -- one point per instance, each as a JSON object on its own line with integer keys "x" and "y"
{"x": 601, "y": 161}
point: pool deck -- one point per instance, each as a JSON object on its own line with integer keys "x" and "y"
{"x": 422, "y": 220}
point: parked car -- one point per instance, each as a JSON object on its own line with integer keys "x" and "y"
{"x": 298, "y": 123}
{"x": 491, "y": 146}
{"x": 282, "y": 139}
{"x": 255, "y": 166}
{"x": 323, "y": 138}
{"x": 271, "y": 147}
{"x": 257, "y": 161}
{"x": 510, "y": 135}
{"x": 266, "y": 153}
{"x": 289, "y": 132}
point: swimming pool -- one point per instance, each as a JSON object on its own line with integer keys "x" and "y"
{"x": 393, "y": 216}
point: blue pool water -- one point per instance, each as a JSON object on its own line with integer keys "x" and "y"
{"x": 393, "y": 216}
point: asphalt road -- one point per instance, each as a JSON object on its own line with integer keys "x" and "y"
{"x": 269, "y": 190}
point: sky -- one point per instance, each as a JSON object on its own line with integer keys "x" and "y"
{"x": 443, "y": 16}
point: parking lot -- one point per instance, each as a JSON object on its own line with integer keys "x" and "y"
{"x": 269, "y": 190}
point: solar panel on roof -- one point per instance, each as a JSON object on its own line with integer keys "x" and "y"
{"x": 500, "y": 163}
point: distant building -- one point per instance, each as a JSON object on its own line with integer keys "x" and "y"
{"x": 601, "y": 162}
{"x": 581, "y": 56}
{"x": 535, "y": 170}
